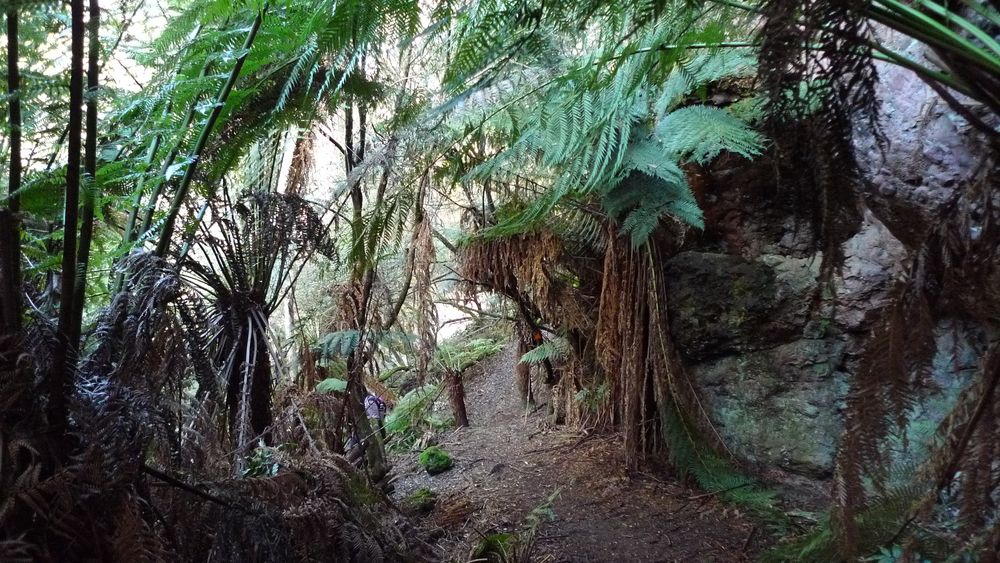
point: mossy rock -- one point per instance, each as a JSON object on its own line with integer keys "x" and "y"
{"x": 420, "y": 501}
{"x": 435, "y": 460}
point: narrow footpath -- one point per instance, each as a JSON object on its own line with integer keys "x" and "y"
{"x": 510, "y": 462}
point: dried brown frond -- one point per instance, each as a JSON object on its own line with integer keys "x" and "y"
{"x": 424, "y": 258}
{"x": 316, "y": 509}
{"x": 301, "y": 169}
{"x": 636, "y": 352}
{"x": 453, "y": 511}
{"x": 517, "y": 265}
{"x": 956, "y": 270}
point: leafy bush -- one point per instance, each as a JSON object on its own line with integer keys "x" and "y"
{"x": 331, "y": 385}
{"x": 554, "y": 350}
{"x": 263, "y": 462}
{"x": 593, "y": 397}
{"x": 411, "y": 415}
{"x": 435, "y": 460}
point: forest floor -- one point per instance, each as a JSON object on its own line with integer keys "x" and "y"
{"x": 509, "y": 462}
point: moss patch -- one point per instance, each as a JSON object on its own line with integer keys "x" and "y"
{"x": 435, "y": 460}
{"x": 420, "y": 502}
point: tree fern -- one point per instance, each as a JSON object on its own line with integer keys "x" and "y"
{"x": 584, "y": 127}
{"x": 700, "y": 133}
{"x": 337, "y": 344}
{"x": 691, "y": 73}
{"x": 713, "y": 473}
{"x": 552, "y": 350}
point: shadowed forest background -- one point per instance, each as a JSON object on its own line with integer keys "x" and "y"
{"x": 696, "y": 280}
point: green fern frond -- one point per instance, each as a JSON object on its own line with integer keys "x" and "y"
{"x": 649, "y": 157}
{"x": 640, "y": 201}
{"x": 457, "y": 355}
{"x": 552, "y": 350}
{"x": 583, "y": 231}
{"x": 337, "y": 344}
{"x": 713, "y": 473}
{"x": 694, "y": 72}
{"x": 700, "y": 133}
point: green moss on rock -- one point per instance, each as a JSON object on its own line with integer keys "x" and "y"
{"x": 435, "y": 460}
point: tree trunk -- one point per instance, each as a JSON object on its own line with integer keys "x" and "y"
{"x": 522, "y": 375}
{"x": 10, "y": 227}
{"x": 163, "y": 246}
{"x": 90, "y": 172}
{"x": 456, "y": 396}
{"x": 10, "y": 302}
{"x": 261, "y": 416}
{"x": 370, "y": 437}
{"x": 259, "y": 396}
{"x": 60, "y": 376}
{"x": 363, "y": 277}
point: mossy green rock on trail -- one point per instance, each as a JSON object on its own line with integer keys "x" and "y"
{"x": 435, "y": 460}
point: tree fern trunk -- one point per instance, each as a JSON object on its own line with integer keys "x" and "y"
{"x": 63, "y": 357}
{"x": 10, "y": 230}
{"x": 10, "y": 298}
{"x": 251, "y": 348}
{"x": 261, "y": 416}
{"x": 522, "y": 375}
{"x": 456, "y": 396}
{"x": 90, "y": 172}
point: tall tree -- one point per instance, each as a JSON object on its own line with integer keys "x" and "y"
{"x": 90, "y": 172}
{"x": 10, "y": 236}
{"x": 64, "y": 354}
{"x": 163, "y": 246}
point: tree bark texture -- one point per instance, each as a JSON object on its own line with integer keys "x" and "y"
{"x": 456, "y": 396}
{"x": 60, "y": 378}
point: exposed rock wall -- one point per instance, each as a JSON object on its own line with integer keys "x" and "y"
{"x": 755, "y": 328}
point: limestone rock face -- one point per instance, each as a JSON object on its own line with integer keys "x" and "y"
{"x": 773, "y": 360}
{"x": 779, "y": 406}
{"x": 873, "y": 259}
{"x": 931, "y": 153}
{"x": 725, "y": 304}
{"x": 770, "y": 376}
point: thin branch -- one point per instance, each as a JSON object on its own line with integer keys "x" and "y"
{"x": 173, "y": 481}
{"x": 181, "y": 194}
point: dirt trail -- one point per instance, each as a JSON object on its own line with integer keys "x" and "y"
{"x": 509, "y": 462}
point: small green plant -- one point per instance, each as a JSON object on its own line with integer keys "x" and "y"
{"x": 332, "y": 385}
{"x": 437, "y": 422}
{"x": 420, "y": 501}
{"x": 592, "y": 397}
{"x": 458, "y": 354}
{"x": 263, "y": 462}
{"x": 362, "y": 492}
{"x": 517, "y": 546}
{"x": 435, "y": 460}
{"x": 495, "y": 548}
{"x": 412, "y": 415}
